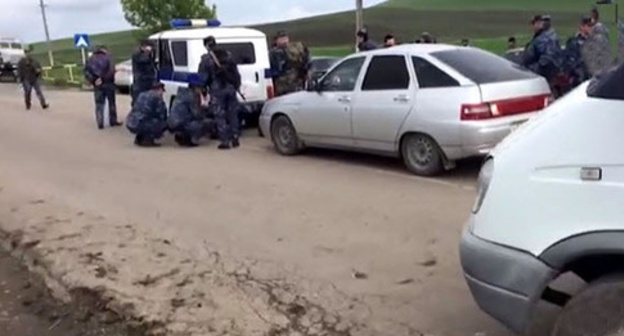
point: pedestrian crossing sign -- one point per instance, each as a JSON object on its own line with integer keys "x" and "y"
{"x": 81, "y": 41}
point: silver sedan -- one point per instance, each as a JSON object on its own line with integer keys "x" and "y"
{"x": 428, "y": 104}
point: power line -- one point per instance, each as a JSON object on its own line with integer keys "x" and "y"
{"x": 47, "y": 31}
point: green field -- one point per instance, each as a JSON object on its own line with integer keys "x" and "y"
{"x": 488, "y": 24}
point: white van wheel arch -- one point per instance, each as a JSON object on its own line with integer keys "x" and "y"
{"x": 596, "y": 310}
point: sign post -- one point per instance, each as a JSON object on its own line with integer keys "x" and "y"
{"x": 81, "y": 41}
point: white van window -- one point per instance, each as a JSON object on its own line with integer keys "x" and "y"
{"x": 5, "y": 45}
{"x": 180, "y": 53}
{"x": 16, "y": 46}
{"x": 243, "y": 53}
{"x": 164, "y": 54}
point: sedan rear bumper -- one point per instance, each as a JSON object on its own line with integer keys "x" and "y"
{"x": 478, "y": 138}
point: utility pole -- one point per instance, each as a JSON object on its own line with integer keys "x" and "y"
{"x": 47, "y": 32}
{"x": 359, "y": 17}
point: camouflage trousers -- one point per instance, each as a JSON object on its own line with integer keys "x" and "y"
{"x": 288, "y": 84}
{"x": 226, "y": 114}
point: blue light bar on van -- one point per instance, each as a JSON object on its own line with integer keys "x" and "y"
{"x": 194, "y": 23}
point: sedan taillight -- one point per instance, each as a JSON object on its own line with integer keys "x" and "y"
{"x": 504, "y": 108}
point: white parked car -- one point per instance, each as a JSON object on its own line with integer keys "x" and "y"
{"x": 123, "y": 76}
{"x": 429, "y": 104}
{"x": 550, "y": 203}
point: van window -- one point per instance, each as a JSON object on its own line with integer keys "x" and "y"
{"x": 386, "y": 73}
{"x": 4, "y": 45}
{"x": 243, "y": 53}
{"x": 164, "y": 59}
{"x": 16, "y": 46}
{"x": 180, "y": 53}
{"x": 483, "y": 67}
{"x": 430, "y": 76}
{"x": 608, "y": 85}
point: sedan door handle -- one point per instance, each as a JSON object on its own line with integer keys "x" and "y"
{"x": 344, "y": 99}
{"x": 401, "y": 98}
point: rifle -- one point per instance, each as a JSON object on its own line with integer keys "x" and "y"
{"x": 218, "y": 64}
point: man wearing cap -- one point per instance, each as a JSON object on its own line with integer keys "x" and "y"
{"x": 543, "y": 54}
{"x": 364, "y": 42}
{"x": 289, "y": 64}
{"x": 187, "y": 120}
{"x": 143, "y": 69}
{"x": 100, "y": 72}
{"x": 148, "y": 118}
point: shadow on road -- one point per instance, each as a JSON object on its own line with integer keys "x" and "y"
{"x": 465, "y": 173}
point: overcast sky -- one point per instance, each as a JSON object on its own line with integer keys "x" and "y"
{"x": 22, "y": 18}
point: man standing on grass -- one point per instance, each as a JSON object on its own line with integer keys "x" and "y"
{"x": 100, "y": 72}
{"x": 29, "y": 71}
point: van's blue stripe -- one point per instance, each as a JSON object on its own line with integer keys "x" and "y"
{"x": 187, "y": 77}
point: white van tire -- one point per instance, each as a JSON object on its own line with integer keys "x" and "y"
{"x": 421, "y": 155}
{"x": 284, "y": 136}
{"x": 597, "y": 310}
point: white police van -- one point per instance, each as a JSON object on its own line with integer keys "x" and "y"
{"x": 179, "y": 52}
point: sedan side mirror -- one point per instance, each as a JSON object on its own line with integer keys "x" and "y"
{"x": 313, "y": 85}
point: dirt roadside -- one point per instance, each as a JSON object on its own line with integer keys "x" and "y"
{"x": 27, "y": 308}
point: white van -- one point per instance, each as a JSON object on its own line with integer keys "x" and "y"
{"x": 179, "y": 52}
{"x": 11, "y": 50}
{"x": 551, "y": 202}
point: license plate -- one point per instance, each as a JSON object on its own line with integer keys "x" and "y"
{"x": 515, "y": 125}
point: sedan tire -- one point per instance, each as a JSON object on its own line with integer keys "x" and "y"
{"x": 596, "y": 310}
{"x": 284, "y": 136}
{"x": 421, "y": 155}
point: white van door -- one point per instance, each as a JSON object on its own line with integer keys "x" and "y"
{"x": 250, "y": 65}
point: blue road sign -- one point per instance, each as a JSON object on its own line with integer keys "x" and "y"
{"x": 81, "y": 41}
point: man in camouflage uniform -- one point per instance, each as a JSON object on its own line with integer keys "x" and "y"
{"x": 224, "y": 88}
{"x": 574, "y": 63}
{"x": 289, "y": 65}
{"x": 187, "y": 120}
{"x": 29, "y": 72}
{"x": 543, "y": 54}
{"x": 597, "y": 52}
{"x": 148, "y": 118}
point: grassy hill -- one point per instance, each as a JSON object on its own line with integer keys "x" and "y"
{"x": 486, "y": 22}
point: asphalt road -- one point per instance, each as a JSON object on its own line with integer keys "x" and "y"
{"x": 359, "y": 223}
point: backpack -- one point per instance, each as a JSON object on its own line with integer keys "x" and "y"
{"x": 296, "y": 54}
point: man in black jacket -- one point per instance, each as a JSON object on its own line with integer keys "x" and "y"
{"x": 100, "y": 72}
{"x": 29, "y": 71}
{"x": 143, "y": 69}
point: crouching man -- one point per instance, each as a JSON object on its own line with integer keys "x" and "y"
{"x": 187, "y": 118}
{"x": 148, "y": 118}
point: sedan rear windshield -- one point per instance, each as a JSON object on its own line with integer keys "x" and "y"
{"x": 482, "y": 67}
{"x": 608, "y": 85}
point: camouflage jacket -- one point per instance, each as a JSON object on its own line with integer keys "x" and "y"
{"x": 543, "y": 54}
{"x": 149, "y": 106}
{"x": 186, "y": 108}
{"x": 597, "y": 53}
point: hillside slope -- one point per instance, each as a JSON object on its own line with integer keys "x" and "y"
{"x": 449, "y": 20}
